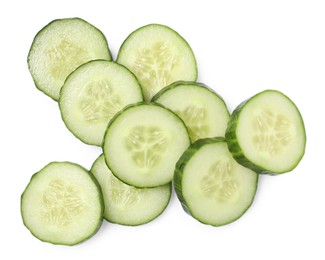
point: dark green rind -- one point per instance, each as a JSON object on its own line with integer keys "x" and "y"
{"x": 175, "y": 85}
{"x": 76, "y": 134}
{"x": 142, "y": 223}
{"x": 180, "y": 83}
{"x": 235, "y": 148}
{"x": 181, "y": 164}
{"x": 44, "y": 28}
{"x": 178, "y": 177}
{"x": 115, "y": 117}
{"x": 101, "y": 201}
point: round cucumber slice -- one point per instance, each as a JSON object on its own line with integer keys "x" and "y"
{"x": 128, "y": 205}
{"x": 266, "y": 133}
{"x": 62, "y": 204}
{"x": 158, "y": 56}
{"x": 93, "y": 94}
{"x": 59, "y": 48}
{"x": 143, "y": 143}
{"x": 203, "y": 111}
{"x": 211, "y": 186}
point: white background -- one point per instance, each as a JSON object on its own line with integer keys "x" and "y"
{"x": 242, "y": 47}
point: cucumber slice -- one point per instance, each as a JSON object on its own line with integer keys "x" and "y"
{"x": 59, "y": 48}
{"x": 91, "y": 96}
{"x": 62, "y": 204}
{"x": 266, "y": 133}
{"x": 125, "y": 204}
{"x": 158, "y": 56}
{"x": 203, "y": 111}
{"x": 211, "y": 186}
{"x": 143, "y": 143}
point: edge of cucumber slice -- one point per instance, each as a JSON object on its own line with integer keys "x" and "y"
{"x": 100, "y": 201}
{"x": 180, "y": 83}
{"x": 239, "y": 153}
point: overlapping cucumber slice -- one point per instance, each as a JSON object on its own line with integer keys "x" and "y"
{"x": 93, "y": 94}
{"x": 128, "y": 205}
{"x": 203, "y": 111}
{"x": 158, "y": 56}
{"x": 211, "y": 186}
{"x": 59, "y": 48}
{"x": 143, "y": 143}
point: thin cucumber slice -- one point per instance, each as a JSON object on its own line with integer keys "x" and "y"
{"x": 158, "y": 56}
{"x": 59, "y": 48}
{"x": 203, "y": 111}
{"x": 211, "y": 186}
{"x": 93, "y": 94}
{"x": 266, "y": 133}
{"x": 125, "y": 204}
{"x": 143, "y": 143}
{"x": 62, "y": 204}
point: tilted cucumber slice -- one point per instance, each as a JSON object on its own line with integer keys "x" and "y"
{"x": 93, "y": 94}
{"x": 62, "y": 204}
{"x": 203, "y": 111}
{"x": 158, "y": 56}
{"x": 143, "y": 143}
{"x": 125, "y": 204}
{"x": 211, "y": 186}
{"x": 266, "y": 133}
{"x": 59, "y": 48}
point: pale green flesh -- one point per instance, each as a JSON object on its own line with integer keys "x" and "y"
{"x": 216, "y": 189}
{"x": 62, "y": 204}
{"x": 59, "y": 48}
{"x": 204, "y": 113}
{"x": 270, "y": 132}
{"x": 93, "y": 94}
{"x": 158, "y": 56}
{"x": 143, "y": 143}
{"x": 125, "y": 204}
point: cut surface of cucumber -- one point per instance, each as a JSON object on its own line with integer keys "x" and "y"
{"x": 158, "y": 56}
{"x": 59, "y": 48}
{"x": 266, "y": 133}
{"x": 211, "y": 186}
{"x": 203, "y": 111}
{"x": 93, "y": 94}
{"x": 143, "y": 143}
{"x": 125, "y": 204}
{"x": 62, "y": 204}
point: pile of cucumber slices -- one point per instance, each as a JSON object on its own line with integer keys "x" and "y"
{"x": 156, "y": 126}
